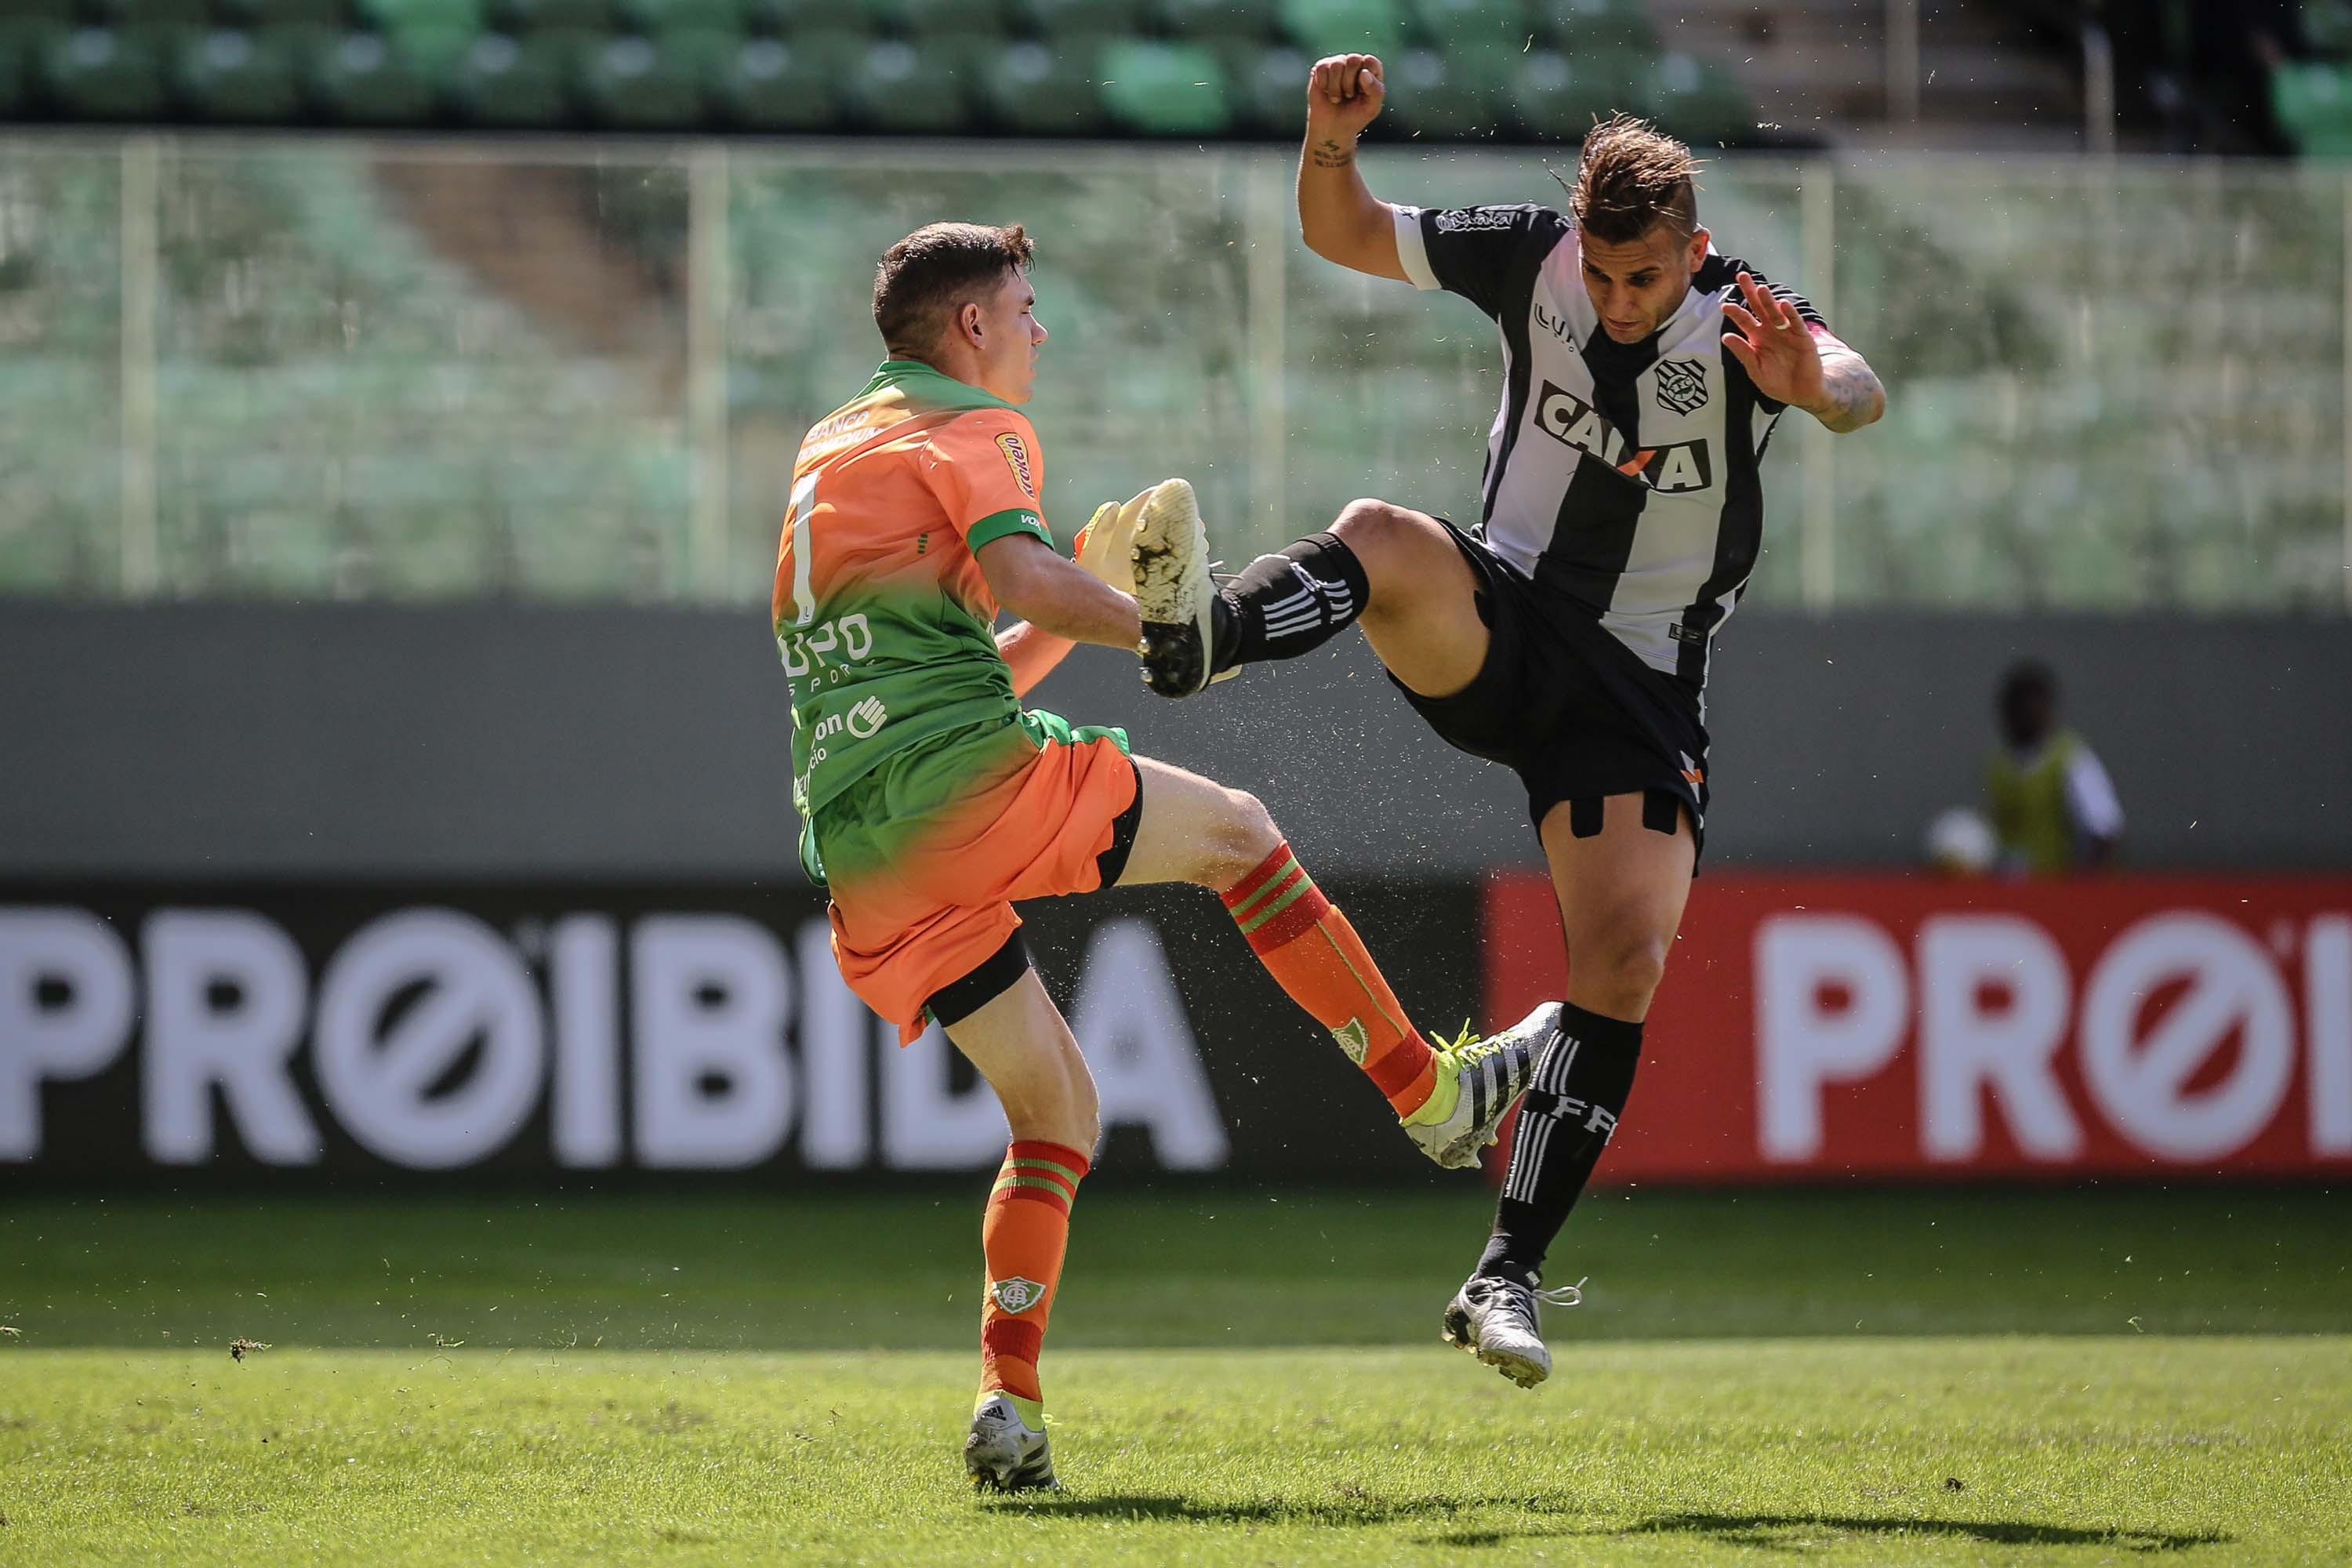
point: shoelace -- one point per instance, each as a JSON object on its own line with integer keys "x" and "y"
{"x": 1563, "y": 1295}
{"x": 1522, "y": 1300}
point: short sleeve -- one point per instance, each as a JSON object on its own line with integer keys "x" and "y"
{"x": 1479, "y": 253}
{"x": 986, "y": 471}
{"x": 1723, "y": 272}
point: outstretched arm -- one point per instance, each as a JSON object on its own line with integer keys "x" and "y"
{"x": 1804, "y": 366}
{"x": 1339, "y": 216}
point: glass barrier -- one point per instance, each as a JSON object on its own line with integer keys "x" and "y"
{"x": 335, "y": 369}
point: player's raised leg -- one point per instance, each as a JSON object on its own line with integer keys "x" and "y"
{"x": 1620, "y": 893}
{"x": 1020, "y": 1043}
{"x": 1397, "y": 571}
{"x": 1450, "y": 1099}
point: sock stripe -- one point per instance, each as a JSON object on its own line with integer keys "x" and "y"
{"x": 1296, "y": 889}
{"x": 1262, "y": 872}
{"x": 1043, "y": 1168}
{"x": 1039, "y": 1184}
{"x": 1073, "y": 1160}
{"x": 1286, "y": 926}
{"x": 1291, "y": 876}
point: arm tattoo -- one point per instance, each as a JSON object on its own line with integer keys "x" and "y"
{"x": 1328, "y": 154}
{"x": 1851, "y": 394}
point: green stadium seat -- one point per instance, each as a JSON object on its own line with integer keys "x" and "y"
{"x": 432, "y": 34}
{"x": 911, "y": 88}
{"x": 1269, "y": 87}
{"x": 1032, "y": 90}
{"x": 503, "y": 80}
{"x": 1436, "y": 99}
{"x": 921, "y": 19}
{"x": 320, "y": 16}
{"x": 2313, "y": 101}
{"x": 1697, "y": 99}
{"x": 1451, "y": 23}
{"x": 657, "y": 16}
{"x": 1219, "y": 21}
{"x": 703, "y": 51}
{"x": 1049, "y": 19}
{"x": 1342, "y": 26}
{"x": 145, "y": 15}
{"x": 633, "y": 83}
{"x": 773, "y": 84}
{"x": 1165, "y": 90}
{"x": 1554, "y": 98}
{"x": 365, "y": 79}
{"x": 1577, "y": 25}
{"x": 94, "y": 73}
{"x": 520, "y": 16}
{"x": 238, "y": 76}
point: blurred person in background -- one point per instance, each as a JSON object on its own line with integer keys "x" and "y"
{"x": 2052, "y": 807}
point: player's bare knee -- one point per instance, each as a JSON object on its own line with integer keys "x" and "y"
{"x": 1374, "y": 529}
{"x": 1626, "y": 968}
{"x": 1250, "y": 836}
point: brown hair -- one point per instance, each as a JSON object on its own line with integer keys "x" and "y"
{"x": 1633, "y": 177}
{"x": 941, "y": 266}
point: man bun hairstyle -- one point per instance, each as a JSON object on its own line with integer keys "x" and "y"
{"x": 923, "y": 277}
{"x": 1633, "y": 177}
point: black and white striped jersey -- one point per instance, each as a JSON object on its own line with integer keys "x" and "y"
{"x": 1622, "y": 475}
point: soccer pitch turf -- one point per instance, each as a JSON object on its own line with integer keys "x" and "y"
{"x": 1866, "y": 1378}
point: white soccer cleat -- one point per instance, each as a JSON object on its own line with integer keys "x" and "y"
{"x": 1496, "y": 1320}
{"x": 1175, "y": 595}
{"x": 1004, "y": 1453}
{"x": 1493, "y": 1072}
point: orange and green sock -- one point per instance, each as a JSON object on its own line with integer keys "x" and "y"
{"x": 1023, "y": 1237}
{"x": 1312, "y": 952}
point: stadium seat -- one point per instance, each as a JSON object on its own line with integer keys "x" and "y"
{"x": 520, "y": 16}
{"x": 2312, "y": 101}
{"x": 144, "y": 15}
{"x": 506, "y": 80}
{"x": 911, "y": 88}
{"x": 1338, "y": 26}
{"x": 321, "y": 15}
{"x": 924, "y": 19}
{"x": 772, "y": 84}
{"x": 656, "y": 17}
{"x": 1434, "y": 98}
{"x": 637, "y": 84}
{"x": 1269, "y": 87}
{"x": 1554, "y": 98}
{"x": 1218, "y": 21}
{"x": 1449, "y": 23}
{"x": 364, "y": 79}
{"x": 1576, "y": 26}
{"x": 238, "y": 76}
{"x": 1032, "y": 90}
{"x": 1165, "y": 90}
{"x": 434, "y": 34}
{"x": 1048, "y": 19}
{"x": 1696, "y": 99}
{"x": 94, "y": 73}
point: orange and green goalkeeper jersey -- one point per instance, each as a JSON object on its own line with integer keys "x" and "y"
{"x": 881, "y": 613}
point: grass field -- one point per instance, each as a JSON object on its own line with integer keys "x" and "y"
{"x": 1865, "y": 1378}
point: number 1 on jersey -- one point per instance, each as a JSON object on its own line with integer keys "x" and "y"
{"x": 797, "y": 520}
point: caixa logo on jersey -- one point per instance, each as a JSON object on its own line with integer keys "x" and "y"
{"x": 431, "y": 1038}
{"x": 1675, "y": 468}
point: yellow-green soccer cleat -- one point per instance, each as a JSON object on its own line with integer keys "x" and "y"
{"x": 1174, "y": 594}
{"x": 1497, "y": 1320}
{"x": 1004, "y": 1453}
{"x": 1486, "y": 1079}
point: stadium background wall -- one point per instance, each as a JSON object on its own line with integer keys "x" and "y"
{"x": 527, "y": 744}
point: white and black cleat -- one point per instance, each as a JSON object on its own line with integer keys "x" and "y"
{"x": 1175, "y": 595}
{"x": 1493, "y": 1072}
{"x": 1497, "y": 1320}
{"x": 1004, "y": 1453}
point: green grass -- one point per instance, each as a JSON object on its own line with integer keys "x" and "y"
{"x": 1864, "y": 1378}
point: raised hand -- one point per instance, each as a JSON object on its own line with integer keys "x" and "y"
{"x": 1775, "y": 346}
{"x": 1344, "y": 94}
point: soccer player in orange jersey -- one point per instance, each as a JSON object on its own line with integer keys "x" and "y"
{"x": 932, "y": 800}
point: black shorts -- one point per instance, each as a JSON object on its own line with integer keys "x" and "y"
{"x": 1569, "y": 708}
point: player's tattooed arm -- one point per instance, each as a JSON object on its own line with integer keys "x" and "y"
{"x": 1330, "y": 153}
{"x": 1850, "y": 396}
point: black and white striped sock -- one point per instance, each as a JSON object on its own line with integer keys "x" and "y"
{"x": 1285, "y": 604}
{"x": 1582, "y": 1082}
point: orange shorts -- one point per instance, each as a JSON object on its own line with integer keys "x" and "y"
{"x": 926, "y": 855}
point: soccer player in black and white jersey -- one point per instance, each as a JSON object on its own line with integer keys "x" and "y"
{"x": 1566, "y": 634}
